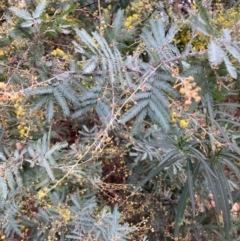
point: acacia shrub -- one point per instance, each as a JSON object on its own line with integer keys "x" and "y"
{"x": 152, "y": 142}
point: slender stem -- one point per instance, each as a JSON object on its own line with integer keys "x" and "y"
{"x": 99, "y": 12}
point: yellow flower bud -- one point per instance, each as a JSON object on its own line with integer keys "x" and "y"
{"x": 183, "y": 124}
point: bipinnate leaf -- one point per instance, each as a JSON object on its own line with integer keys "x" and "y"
{"x": 3, "y": 188}
{"x": 230, "y": 68}
{"x": 39, "y": 9}
{"x": 215, "y": 53}
{"x": 21, "y": 13}
{"x": 90, "y": 65}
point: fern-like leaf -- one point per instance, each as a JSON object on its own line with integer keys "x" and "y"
{"x": 118, "y": 22}
{"x": 47, "y": 166}
{"x": 86, "y": 38}
{"x": 3, "y": 188}
{"x": 40, "y": 102}
{"x": 68, "y": 93}
{"x": 82, "y": 111}
{"x": 61, "y": 101}
{"x": 21, "y": 13}
{"x": 233, "y": 50}
{"x": 10, "y": 179}
{"x": 215, "y": 53}
{"x": 90, "y": 65}
{"x": 49, "y": 109}
{"x": 57, "y": 147}
{"x": 230, "y": 68}
{"x": 139, "y": 120}
{"x": 78, "y": 48}
{"x": 39, "y": 9}
{"x": 134, "y": 111}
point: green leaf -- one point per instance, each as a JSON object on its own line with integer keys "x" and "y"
{"x": 82, "y": 111}
{"x": 158, "y": 115}
{"x": 47, "y": 166}
{"x": 233, "y": 50}
{"x": 141, "y": 115}
{"x": 27, "y": 24}
{"x": 134, "y": 111}
{"x": 194, "y": 153}
{"x": 18, "y": 178}
{"x": 78, "y": 48}
{"x": 3, "y": 188}
{"x": 158, "y": 29}
{"x": 90, "y": 65}
{"x": 225, "y": 159}
{"x": 2, "y": 157}
{"x": 171, "y": 33}
{"x": 191, "y": 177}
{"x": 40, "y": 102}
{"x": 86, "y": 39}
{"x": 202, "y": 20}
{"x": 21, "y": 13}
{"x": 61, "y": 101}
{"x": 215, "y": 53}
{"x": 68, "y": 92}
{"x": 40, "y": 90}
{"x": 182, "y": 203}
{"x": 227, "y": 34}
{"x": 223, "y": 201}
{"x": 57, "y": 147}
{"x": 39, "y": 9}
{"x": 118, "y": 22}
{"x": 167, "y": 161}
{"x": 230, "y": 68}
{"x": 49, "y": 110}
{"x": 10, "y": 179}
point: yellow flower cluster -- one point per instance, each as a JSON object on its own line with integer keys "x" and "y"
{"x": 64, "y": 212}
{"x": 221, "y": 19}
{"x": 137, "y": 11}
{"x": 23, "y": 130}
{"x": 132, "y": 21}
{"x": 19, "y": 109}
{"x": 21, "y": 114}
{"x": 174, "y": 116}
{"x": 42, "y": 193}
{"x": 183, "y": 124}
{"x": 103, "y": 26}
{"x": 184, "y": 35}
{"x": 24, "y": 230}
{"x": 200, "y": 42}
{"x": 107, "y": 12}
{"x": 227, "y": 19}
{"x": 57, "y": 53}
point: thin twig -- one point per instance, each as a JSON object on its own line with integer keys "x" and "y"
{"x": 99, "y": 12}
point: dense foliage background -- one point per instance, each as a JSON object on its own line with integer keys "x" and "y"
{"x": 119, "y": 120}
